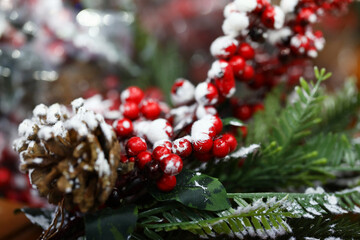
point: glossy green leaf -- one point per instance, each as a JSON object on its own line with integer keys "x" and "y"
{"x": 196, "y": 190}
{"x": 111, "y": 223}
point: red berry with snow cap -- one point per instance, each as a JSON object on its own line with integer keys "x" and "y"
{"x": 130, "y": 110}
{"x": 206, "y": 94}
{"x": 133, "y": 94}
{"x": 159, "y": 129}
{"x": 222, "y": 73}
{"x": 220, "y": 148}
{"x": 150, "y": 109}
{"x": 223, "y": 47}
{"x": 182, "y": 147}
{"x": 182, "y": 92}
{"x": 135, "y": 145}
{"x": 299, "y": 44}
{"x": 273, "y": 17}
{"x": 166, "y": 183}
{"x": 306, "y": 16}
{"x": 230, "y": 140}
{"x": 124, "y": 127}
{"x": 172, "y": 165}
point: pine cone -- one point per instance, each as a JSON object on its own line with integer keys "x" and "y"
{"x": 71, "y": 155}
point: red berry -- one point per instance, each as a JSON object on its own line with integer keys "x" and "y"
{"x": 305, "y": 16}
{"x": 246, "y": 51}
{"x": 124, "y": 159}
{"x": 222, "y": 72}
{"x": 268, "y": 17}
{"x": 5, "y": 178}
{"x": 130, "y": 110}
{"x": 238, "y": 64}
{"x": 258, "y": 107}
{"x": 166, "y": 183}
{"x": 258, "y": 81}
{"x": 135, "y": 145}
{"x": 150, "y": 109}
{"x": 182, "y": 147}
{"x": 206, "y": 94}
{"x": 230, "y": 140}
{"x": 203, "y": 146}
{"x": 261, "y": 4}
{"x": 299, "y": 44}
{"x": 241, "y": 162}
{"x": 248, "y": 73}
{"x": 221, "y": 148}
{"x": 143, "y": 158}
{"x": 172, "y": 165}
{"x": 124, "y": 127}
{"x": 132, "y": 94}
{"x": 160, "y": 152}
{"x": 244, "y": 131}
{"x": 243, "y": 112}
{"x": 217, "y": 124}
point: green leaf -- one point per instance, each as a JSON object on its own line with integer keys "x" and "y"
{"x": 196, "y": 190}
{"x": 232, "y": 122}
{"x": 111, "y": 223}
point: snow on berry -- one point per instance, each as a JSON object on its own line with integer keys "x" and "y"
{"x": 182, "y": 92}
{"x": 202, "y": 132}
{"x": 141, "y": 127}
{"x": 273, "y": 17}
{"x": 133, "y": 94}
{"x": 159, "y": 129}
{"x": 123, "y": 127}
{"x": 222, "y": 72}
{"x": 160, "y": 152}
{"x": 245, "y": 5}
{"x": 230, "y": 8}
{"x": 206, "y": 94}
{"x": 223, "y": 47}
{"x": 135, "y": 145}
{"x": 150, "y": 109}
{"x": 172, "y": 164}
{"x": 235, "y": 23}
{"x": 288, "y": 5}
{"x": 163, "y": 143}
{"x": 182, "y": 146}
{"x": 202, "y": 111}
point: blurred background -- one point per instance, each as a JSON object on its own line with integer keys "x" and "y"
{"x": 59, "y": 50}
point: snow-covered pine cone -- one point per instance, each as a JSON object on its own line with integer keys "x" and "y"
{"x": 69, "y": 154}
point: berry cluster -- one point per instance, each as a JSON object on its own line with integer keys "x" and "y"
{"x": 158, "y": 140}
{"x": 263, "y": 42}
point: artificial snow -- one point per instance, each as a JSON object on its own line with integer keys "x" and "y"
{"x": 200, "y": 130}
{"x": 218, "y": 47}
{"x": 245, "y": 5}
{"x": 184, "y": 93}
{"x": 159, "y": 129}
{"x": 235, "y": 23}
{"x": 201, "y": 92}
{"x": 279, "y": 18}
{"x": 244, "y": 151}
{"x": 288, "y": 6}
